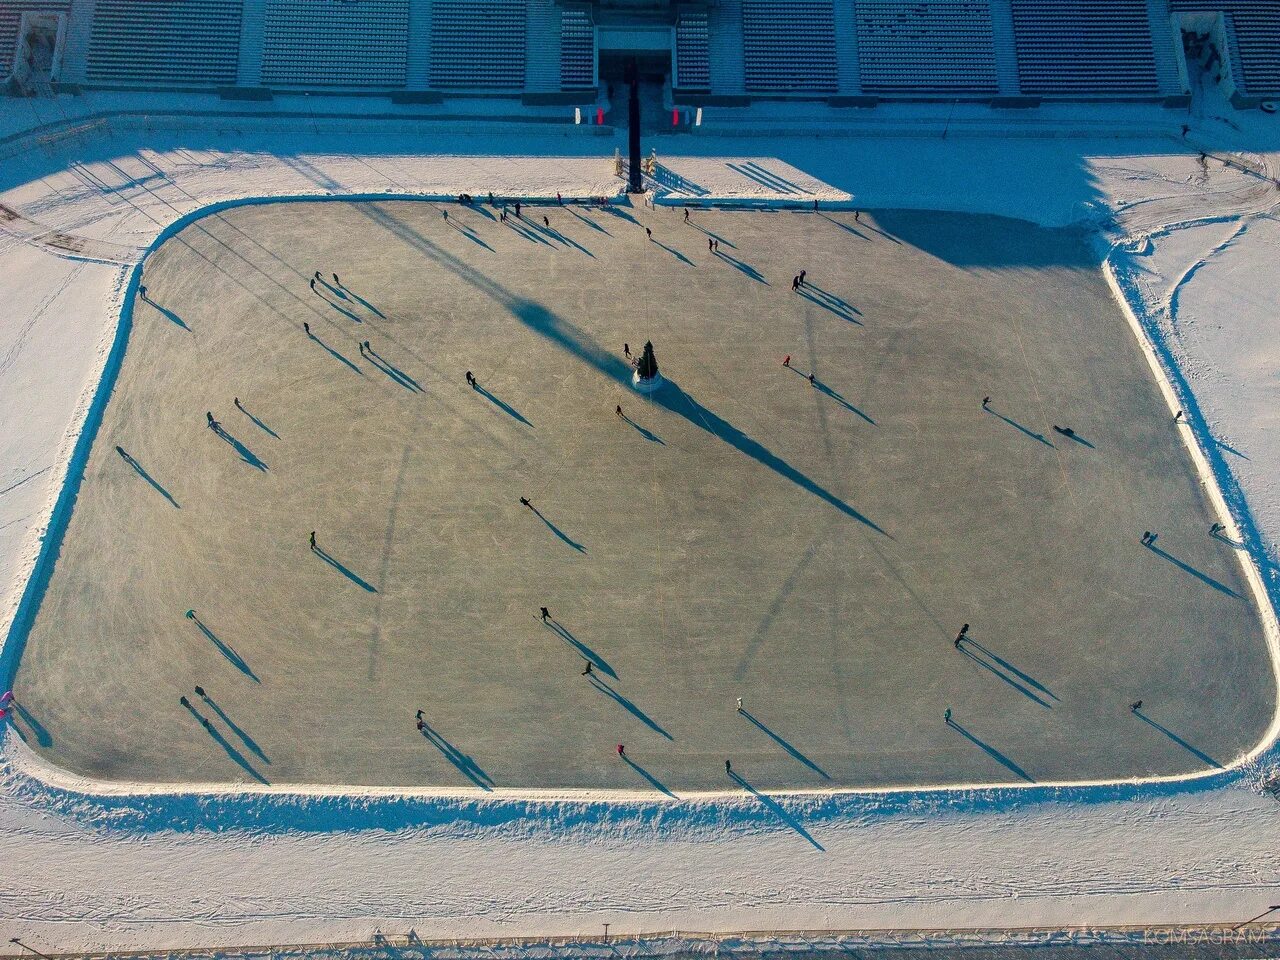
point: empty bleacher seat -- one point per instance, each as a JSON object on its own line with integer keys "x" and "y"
{"x": 335, "y": 42}
{"x": 1084, "y": 47}
{"x": 478, "y": 44}
{"x": 926, "y": 46}
{"x": 693, "y": 51}
{"x": 789, "y": 46}
{"x": 194, "y": 42}
{"x": 577, "y": 49}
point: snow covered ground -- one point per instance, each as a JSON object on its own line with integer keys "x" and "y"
{"x": 81, "y": 868}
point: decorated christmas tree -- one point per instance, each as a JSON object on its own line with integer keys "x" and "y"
{"x": 647, "y": 368}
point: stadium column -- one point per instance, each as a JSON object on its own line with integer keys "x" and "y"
{"x": 633, "y": 126}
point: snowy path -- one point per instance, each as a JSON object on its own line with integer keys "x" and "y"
{"x": 74, "y": 877}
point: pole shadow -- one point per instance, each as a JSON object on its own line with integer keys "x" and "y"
{"x": 647, "y": 434}
{"x": 742, "y": 266}
{"x": 1005, "y": 677}
{"x": 776, "y": 809}
{"x": 397, "y": 375}
{"x": 247, "y": 455}
{"x": 1200, "y": 754}
{"x": 992, "y": 752}
{"x": 224, "y": 648}
{"x": 653, "y": 781}
{"x": 336, "y": 355}
{"x": 620, "y": 214}
{"x": 1230, "y": 449}
{"x": 38, "y": 729}
{"x": 235, "y": 728}
{"x": 630, "y": 707}
{"x": 1187, "y": 568}
{"x": 597, "y": 661}
{"x": 675, "y": 399}
{"x": 345, "y": 571}
{"x": 675, "y": 253}
{"x": 564, "y": 537}
{"x": 464, "y": 764}
{"x": 1019, "y": 427}
{"x": 257, "y": 422}
{"x": 796, "y": 754}
{"x": 502, "y": 405}
{"x": 155, "y": 484}
{"x": 1006, "y": 665}
{"x": 241, "y": 760}
{"x": 830, "y": 303}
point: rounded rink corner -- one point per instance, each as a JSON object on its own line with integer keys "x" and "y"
{"x": 323, "y": 808}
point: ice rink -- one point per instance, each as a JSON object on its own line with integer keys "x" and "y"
{"x": 813, "y": 548}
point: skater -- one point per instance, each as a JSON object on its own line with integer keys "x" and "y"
{"x": 1135, "y": 706}
{"x": 648, "y": 233}
{"x": 711, "y": 244}
{"x": 517, "y": 209}
{"x": 626, "y": 350}
{"x": 367, "y": 348}
{"x": 618, "y": 411}
{"x": 813, "y": 381}
{"x": 960, "y": 637}
{"x": 546, "y": 614}
{"x": 419, "y": 715}
{"x": 559, "y": 199}
{"x": 786, "y": 361}
{"x": 209, "y": 415}
{"x": 362, "y": 347}
{"x": 1065, "y": 431}
{"x": 728, "y": 768}
{"x": 336, "y": 281}
{"x": 686, "y": 214}
{"x": 985, "y": 401}
{"x": 546, "y": 222}
{"x": 1213, "y": 530}
{"x": 946, "y": 716}
{"x": 420, "y": 724}
{"x": 491, "y": 201}
{"x": 239, "y": 405}
{"x": 446, "y": 216}
{"x": 524, "y": 502}
{"x": 471, "y": 380}
{"x": 201, "y": 694}
{"x": 1148, "y": 538}
{"x": 622, "y": 751}
{"x": 313, "y": 540}
{"x": 502, "y": 218}
{"x": 1177, "y": 417}
{"x": 317, "y": 276}
{"x": 306, "y": 328}
{"x": 715, "y": 245}
{"x": 739, "y": 704}
{"x": 802, "y": 276}
{"x": 191, "y": 615}
{"x": 795, "y": 284}
{"x": 586, "y": 671}
{"x": 313, "y": 286}
{"x": 142, "y": 292}
{"x": 184, "y": 701}
{"x": 815, "y": 206}
{"x": 857, "y": 216}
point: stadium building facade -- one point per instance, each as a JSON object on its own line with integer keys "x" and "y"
{"x": 852, "y": 53}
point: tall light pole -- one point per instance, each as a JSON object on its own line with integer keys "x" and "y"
{"x": 634, "y": 182}
{"x": 1258, "y": 917}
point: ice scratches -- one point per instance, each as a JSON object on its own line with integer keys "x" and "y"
{"x": 1174, "y": 294}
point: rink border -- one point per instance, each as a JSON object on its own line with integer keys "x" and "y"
{"x": 326, "y": 807}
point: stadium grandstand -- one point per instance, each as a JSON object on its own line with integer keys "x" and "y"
{"x": 713, "y": 52}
